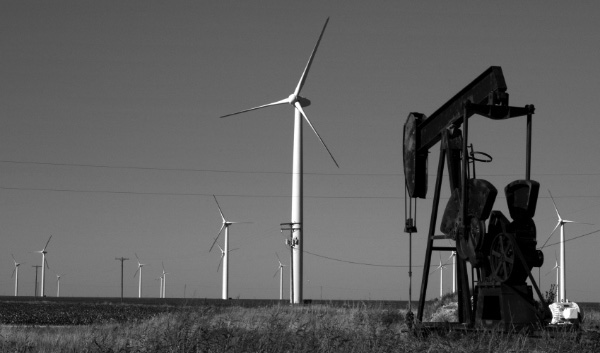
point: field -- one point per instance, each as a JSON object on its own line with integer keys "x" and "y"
{"x": 273, "y": 326}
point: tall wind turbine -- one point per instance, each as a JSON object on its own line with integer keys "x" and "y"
{"x": 280, "y": 270}
{"x": 15, "y": 273}
{"x": 44, "y": 265}
{"x": 58, "y": 276}
{"x": 224, "y": 252}
{"x": 561, "y": 222}
{"x": 139, "y": 269}
{"x": 298, "y": 102}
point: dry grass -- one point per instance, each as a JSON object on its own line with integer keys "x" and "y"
{"x": 315, "y": 328}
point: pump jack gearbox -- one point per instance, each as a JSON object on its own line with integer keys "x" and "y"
{"x": 501, "y": 252}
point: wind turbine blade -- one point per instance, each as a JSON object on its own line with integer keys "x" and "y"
{"x": 283, "y": 101}
{"x": 299, "y": 107}
{"x": 13, "y": 272}
{"x": 241, "y": 222}
{"x": 215, "y": 241}
{"x": 13, "y": 257}
{"x": 220, "y": 210}
{"x": 310, "y": 60}
{"x": 46, "y": 262}
{"x": 136, "y": 271}
{"x": 279, "y": 269}
{"x": 550, "y": 236}
{"x": 163, "y": 265}
{"x": 47, "y": 243}
{"x": 278, "y": 259}
{"x": 234, "y": 249}
{"x": 555, "y": 208}
{"x": 137, "y": 257}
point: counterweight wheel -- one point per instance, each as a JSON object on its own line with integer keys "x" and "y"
{"x": 505, "y": 266}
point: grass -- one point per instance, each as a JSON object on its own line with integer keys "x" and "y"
{"x": 280, "y": 328}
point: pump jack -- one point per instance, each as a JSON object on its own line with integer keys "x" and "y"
{"x": 503, "y": 255}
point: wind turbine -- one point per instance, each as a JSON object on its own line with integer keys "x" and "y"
{"x": 280, "y": 270}
{"x": 160, "y": 293}
{"x": 224, "y": 252}
{"x": 223, "y": 255}
{"x": 298, "y": 102}
{"x": 453, "y": 257}
{"x": 44, "y": 265}
{"x": 557, "y": 267}
{"x": 139, "y": 269}
{"x": 561, "y": 222}
{"x": 58, "y": 284}
{"x": 441, "y": 268}
{"x": 164, "y": 282}
{"x": 15, "y": 273}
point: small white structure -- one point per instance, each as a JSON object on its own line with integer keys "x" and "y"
{"x": 565, "y": 313}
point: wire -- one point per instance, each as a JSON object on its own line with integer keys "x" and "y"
{"x": 189, "y": 194}
{"x": 106, "y": 166}
{"x": 577, "y": 237}
{"x": 356, "y": 262}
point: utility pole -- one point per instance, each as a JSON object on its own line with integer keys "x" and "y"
{"x": 121, "y": 259}
{"x": 36, "y": 279}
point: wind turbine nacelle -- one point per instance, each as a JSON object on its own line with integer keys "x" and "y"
{"x": 304, "y": 102}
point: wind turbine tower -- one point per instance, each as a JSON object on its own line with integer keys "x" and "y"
{"x": 44, "y": 265}
{"x": 224, "y": 252}
{"x": 140, "y": 265}
{"x": 298, "y": 103}
{"x": 15, "y": 273}
{"x": 561, "y": 222}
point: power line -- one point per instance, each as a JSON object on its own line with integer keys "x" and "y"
{"x": 195, "y": 170}
{"x": 107, "y": 166}
{"x": 156, "y": 193}
{"x": 356, "y": 262}
{"x": 577, "y": 237}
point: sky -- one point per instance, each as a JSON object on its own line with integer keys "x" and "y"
{"x": 111, "y": 142}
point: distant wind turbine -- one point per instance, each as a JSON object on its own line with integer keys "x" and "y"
{"x": 164, "y": 281}
{"x": 160, "y": 293}
{"x": 557, "y": 267}
{"x": 15, "y": 273}
{"x": 298, "y": 102}
{"x": 441, "y": 269}
{"x": 561, "y": 222}
{"x": 224, "y": 252}
{"x": 44, "y": 265}
{"x": 58, "y": 276}
{"x": 280, "y": 270}
{"x": 223, "y": 255}
{"x": 453, "y": 257}
{"x": 139, "y": 269}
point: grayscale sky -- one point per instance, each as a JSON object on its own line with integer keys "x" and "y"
{"x": 110, "y": 138}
